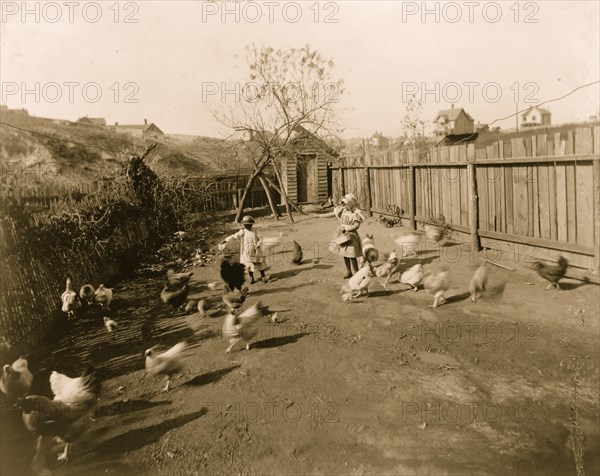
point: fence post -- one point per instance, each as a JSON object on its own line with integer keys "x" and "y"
{"x": 369, "y": 198}
{"x": 473, "y": 198}
{"x": 597, "y": 215}
{"x": 412, "y": 202}
{"x": 342, "y": 180}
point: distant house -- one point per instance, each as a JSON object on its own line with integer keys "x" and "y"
{"x": 453, "y": 122}
{"x": 536, "y": 117}
{"x": 92, "y": 121}
{"x": 139, "y": 130}
{"x": 378, "y": 140}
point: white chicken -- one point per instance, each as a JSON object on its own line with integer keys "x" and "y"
{"x": 73, "y": 397}
{"x": 16, "y": 378}
{"x": 413, "y": 276}
{"x": 270, "y": 241}
{"x": 109, "y": 323}
{"x": 407, "y": 244}
{"x": 243, "y": 326}
{"x": 168, "y": 363}
{"x": 202, "y": 307}
{"x": 478, "y": 282}
{"x": 357, "y": 284}
{"x": 212, "y": 286}
{"x": 436, "y": 284}
{"x": 103, "y": 296}
{"x": 70, "y": 300}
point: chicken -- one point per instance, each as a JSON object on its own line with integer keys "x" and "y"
{"x": 269, "y": 242}
{"x": 168, "y": 363}
{"x": 413, "y": 276}
{"x": 478, "y": 282}
{"x": 370, "y": 253}
{"x": 16, "y": 379}
{"x": 87, "y": 293}
{"x": 174, "y": 297}
{"x": 407, "y": 244}
{"x": 233, "y": 273}
{"x": 388, "y": 269}
{"x": 202, "y": 307}
{"x": 357, "y": 284}
{"x": 73, "y": 398}
{"x": 233, "y": 299}
{"x": 552, "y": 273}
{"x": 109, "y": 323}
{"x": 436, "y": 284}
{"x": 297, "y": 258}
{"x": 212, "y": 286}
{"x": 103, "y": 296}
{"x": 243, "y": 326}
{"x": 70, "y": 300}
{"x": 177, "y": 280}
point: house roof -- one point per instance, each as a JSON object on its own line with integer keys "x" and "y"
{"x": 143, "y": 127}
{"x": 451, "y": 114}
{"x": 541, "y": 110}
{"x": 97, "y": 121}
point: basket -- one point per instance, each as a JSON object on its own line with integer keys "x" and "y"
{"x": 342, "y": 239}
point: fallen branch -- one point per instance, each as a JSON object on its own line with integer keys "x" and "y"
{"x": 496, "y": 264}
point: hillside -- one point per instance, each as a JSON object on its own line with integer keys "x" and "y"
{"x": 47, "y": 150}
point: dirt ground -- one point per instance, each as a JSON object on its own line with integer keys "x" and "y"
{"x": 383, "y": 385}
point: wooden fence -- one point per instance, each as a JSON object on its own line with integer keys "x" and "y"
{"x": 539, "y": 191}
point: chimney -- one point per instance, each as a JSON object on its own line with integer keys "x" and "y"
{"x": 116, "y": 123}
{"x": 145, "y": 122}
{"x": 452, "y": 106}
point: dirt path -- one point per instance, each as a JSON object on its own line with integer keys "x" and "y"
{"x": 383, "y": 385}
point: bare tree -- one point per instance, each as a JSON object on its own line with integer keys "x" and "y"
{"x": 290, "y": 92}
{"x": 413, "y": 127}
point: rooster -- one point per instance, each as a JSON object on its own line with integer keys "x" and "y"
{"x": 370, "y": 253}
{"x": 243, "y": 326}
{"x": 436, "y": 284}
{"x": 174, "y": 297}
{"x": 103, "y": 296}
{"x": 70, "y": 300}
{"x": 412, "y": 276}
{"x": 552, "y": 273}
{"x": 358, "y": 284}
{"x": 478, "y": 282}
{"x": 177, "y": 280}
{"x": 73, "y": 398}
{"x": 297, "y": 258}
{"x": 233, "y": 273}
{"x": 168, "y": 363}
{"x": 16, "y": 379}
{"x": 407, "y": 244}
{"x": 87, "y": 293}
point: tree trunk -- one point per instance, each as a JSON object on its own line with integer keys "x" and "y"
{"x": 264, "y": 184}
{"x": 284, "y": 195}
{"x": 255, "y": 172}
{"x": 278, "y": 190}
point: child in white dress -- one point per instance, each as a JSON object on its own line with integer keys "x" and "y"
{"x": 251, "y": 253}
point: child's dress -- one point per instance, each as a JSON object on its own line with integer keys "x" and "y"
{"x": 251, "y": 254}
{"x": 353, "y": 247}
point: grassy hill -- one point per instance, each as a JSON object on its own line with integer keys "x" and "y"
{"x": 30, "y": 150}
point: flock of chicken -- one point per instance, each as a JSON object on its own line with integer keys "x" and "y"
{"x": 435, "y": 282}
{"x": 61, "y": 417}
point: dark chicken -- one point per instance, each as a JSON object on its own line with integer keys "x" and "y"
{"x": 297, "y": 258}
{"x": 552, "y": 273}
{"x": 234, "y": 274}
{"x": 174, "y": 297}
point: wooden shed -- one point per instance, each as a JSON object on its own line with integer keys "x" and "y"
{"x": 305, "y": 169}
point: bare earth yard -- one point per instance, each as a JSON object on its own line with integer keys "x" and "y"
{"x": 383, "y": 385}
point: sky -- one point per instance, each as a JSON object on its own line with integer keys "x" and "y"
{"x": 169, "y": 62}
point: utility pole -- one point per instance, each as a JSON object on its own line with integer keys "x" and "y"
{"x": 517, "y": 116}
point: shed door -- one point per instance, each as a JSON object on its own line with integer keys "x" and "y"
{"x": 307, "y": 176}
